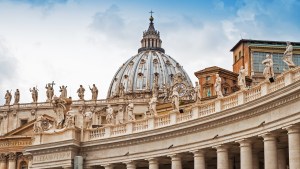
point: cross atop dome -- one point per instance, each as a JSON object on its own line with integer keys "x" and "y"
{"x": 151, "y": 38}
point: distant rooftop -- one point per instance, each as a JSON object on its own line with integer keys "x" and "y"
{"x": 263, "y": 42}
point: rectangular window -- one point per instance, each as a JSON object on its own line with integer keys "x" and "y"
{"x": 23, "y": 122}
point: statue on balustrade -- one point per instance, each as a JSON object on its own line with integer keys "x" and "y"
{"x": 49, "y": 91}
{"x": 80, "y": 92}
{"x": 130, "y": 114}
{"x": 268, "y": 71}
{"x": 7, "y": 97}
{"x": 242, "y": 78}
{"x": 17, "y": 96}
{"x": 109, "y": 115}
{"x": 197, "y": 92}
{"x": 88, "y": 117}
{"x": 152, "y": 106}
{"x": 34, "y": 94}
{"x": 63, "y": 91}
{"x": 61, "y": 106}
{"x": 175, "y": 100}
{"x": 288, "y": 55}
{"x": 120, "y": 115}
{"x": 94, "y": 91}
{"x": 121, "y": 90}
{"x": 218, "y": 86}
{"x": 155, "y": 86}
{"x": 166, "y": 92}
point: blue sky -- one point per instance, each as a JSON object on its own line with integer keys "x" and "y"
{"x": 75, "y": 42}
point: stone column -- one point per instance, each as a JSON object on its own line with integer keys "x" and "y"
{"x": 12, "y": 160}
{"x": 270, "y": 151}
{"x": 153, "y": 163}
{"x": 294, "y": 148}
{"x": 109, "y": 166}
{"x": 199, "y": 159}
{"x": 176, "y": 161}
{"x": 246, "y": 154}
{"x": 281, "y": 159}
{"x": 131, "y": 165}
{"x": 3, "y": 160}
{"x": 222, "y": 157}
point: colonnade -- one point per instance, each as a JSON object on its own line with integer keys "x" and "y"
{"x": 274, "y": 157}
{"x": 10, "y": 160}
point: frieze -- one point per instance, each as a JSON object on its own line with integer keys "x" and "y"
{"x": 14, "y": 143}
{"x": 52, "y": 157}
{"x": 218, "y": 122}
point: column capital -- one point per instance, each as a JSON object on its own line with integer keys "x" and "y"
{"x": 3, "y": 157}
{"x": 130, "y": 164}
{"x": 12, "y": 156}
{"x": 292, "y": 129}
{"x": 244, "y": 142}
{"x": 198, "y": 153}
{"x": 108, "y": 166}
{"x": 221, "y": 148}
{"x": 152, "y": 160}
{"x": 175, "y": 157}
{"x": 268, "y": 136}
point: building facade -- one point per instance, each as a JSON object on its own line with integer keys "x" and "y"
{"x": 151, "y": 119}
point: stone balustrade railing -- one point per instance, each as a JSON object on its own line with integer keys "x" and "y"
{"x": 197, "y": 110}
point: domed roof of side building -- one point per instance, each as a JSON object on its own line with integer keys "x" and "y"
{"x": 151, "y": 67}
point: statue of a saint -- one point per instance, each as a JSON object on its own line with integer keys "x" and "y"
{"x": 109, "y": 114}
{"x": 242, "y": 78}
{"x": 49, "y": 91}
{"x": 70, "y": 120}
{"x": 120, "y": 115}
{"x": 155, "y": 86}
{"x": 175, "y": 100}
{"x": 218, "y": 87}
{"x": 17, "y": 97}
{"x": 152, "y": 106}
{"x": 34, "y": 94}
{"x": 166, "y": 92}
{"x": 197, "y": 92}
{"x": 7, "y": 97}
{"x": 88, "y": 119}
{"x": 80, "y": 92}
{"x": 94, "y": 91}
{"x": 130, "y": 114}
{"x": 121, "y": 90}
{"x": 63, "y": 91}
{"x": 288, "y": 55}
{"x": 268, "y": 71}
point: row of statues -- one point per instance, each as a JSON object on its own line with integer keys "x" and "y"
{"x": 49, "y": 93}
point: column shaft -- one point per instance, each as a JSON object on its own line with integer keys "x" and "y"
{"x": 255, "y": 160}
{"x": 246, "y": 154}
{"x": 270, "y": 151}
{"x": 294, "y": 147}
{"x": 176, "y": 161}
{"x": 222, "y": 157}
{"x": 131, "y": 165}
{"x": 153, "y": 163}
{"x": 281, "y": 159}
{"x": 3, "y": 165}
{"x": 199, "y": 159}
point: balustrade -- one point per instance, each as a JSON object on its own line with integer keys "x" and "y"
{"x": 163, "y": 120}
{"x": 229, "y": 102}
{"x": 118, "y": 130}
{"x": 253, "y": 93}
{"x": 207, "y": 109}
{"x": 278, "y": 84}
{"x": 97, "y": 133}
{"x": 182, "y": 117}
{"x": 140, "y": 125}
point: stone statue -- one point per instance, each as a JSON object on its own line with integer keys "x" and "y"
{"x": 155, "y": 87}
{"x": 288, "y": 55}
{"x": 166, "y": 92}
{"x": 120, "y": 115}
{"x": 49, "y": 91}
{"x": 218, "y": 87}
{"x": 17, "y": 97}
{"x": 242, "y": 78}
{"x": 34, "y": 94}
{"x": 197, "y": 92}
{"x": 61, "y": 106}
{"x": 121, "y": 90}
{"x": 268, "y": 71}
{"x": 80, "y": 92}
{"x": 130, "y": 114}
{"x": 63, "y": 91}
{"x": 109, "y": 114}
{"x": 88, "y": 117}
{"x": 8, "y": 97}
{"x": 175, "y": 100}
{"x": 70, "y": 120}
{"x": 37, "y": 126}
{"x": 152, "y": 106}
{"x": 94, "y": 91}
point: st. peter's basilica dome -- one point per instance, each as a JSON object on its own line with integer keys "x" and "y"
{"x": 149, "y": 71}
